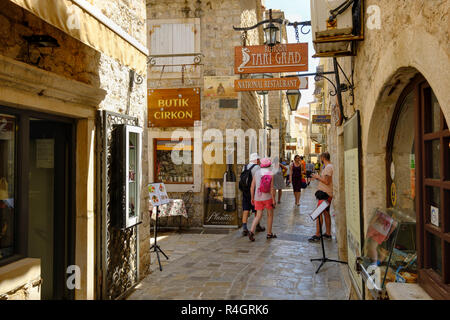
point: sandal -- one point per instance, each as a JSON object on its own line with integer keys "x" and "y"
{"x": 327, "y": 236}
{"x": 271, "y": 236}
{"x": 251, "y": 236}
{"x": 314, "y": 238}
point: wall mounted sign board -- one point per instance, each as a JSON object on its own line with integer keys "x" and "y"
{"x": 219, "y": 87}
{"x": 290, "y": 57}
{"x": 228, "y": 103}
{"x": 268, "y": 84}
{"x": 321, "y": 119}
{"x": 173, "y": 107}
{"x": 354, "y": 218}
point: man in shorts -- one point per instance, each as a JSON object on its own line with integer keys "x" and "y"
{"x": 247, "y": 206}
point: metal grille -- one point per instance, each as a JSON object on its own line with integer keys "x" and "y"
{"x": 117, "y": 254}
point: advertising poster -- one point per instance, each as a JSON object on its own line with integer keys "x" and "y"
{"x": 220, "y": 185}
{"x": 158, "y": 194}
{"x": 220, "y": 87}
{"x": 352, "y": 199}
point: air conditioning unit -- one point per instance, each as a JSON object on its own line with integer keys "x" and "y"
{"x": 335, "y": 24}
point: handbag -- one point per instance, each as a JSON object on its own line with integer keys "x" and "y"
{"x": 321, "y": 195}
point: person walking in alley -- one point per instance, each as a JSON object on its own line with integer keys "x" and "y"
{"x": 278, "y": 179}
{"x": 324, "y": 192}
{"x": 263, "y": 197}
{"x": 295, "y": 177}
{"x": 309, "y": 171}
{"x": 245, "y": 182}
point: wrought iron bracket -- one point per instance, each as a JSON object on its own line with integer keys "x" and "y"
{"x": 197, "y": 59}
{"x": 338, "y": 87}
{"x": 279, "y": 21}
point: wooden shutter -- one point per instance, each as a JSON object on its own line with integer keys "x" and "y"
{"x": 173, "y": 37}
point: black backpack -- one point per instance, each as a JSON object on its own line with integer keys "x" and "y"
{"x": 245, "y": 181}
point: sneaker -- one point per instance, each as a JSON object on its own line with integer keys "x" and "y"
{"x": 251, "y": 236}
{"x": 244, "y": 232}
{"x": 259, "y": 228}
{"x": 314, "y": 238}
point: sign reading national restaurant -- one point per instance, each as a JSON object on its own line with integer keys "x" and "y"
{"x": 267, "y": 84}
{"x": 280, "y": 58}
{"x": 173, "y": 107}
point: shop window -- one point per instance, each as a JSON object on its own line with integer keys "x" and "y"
{"x": 435, "y": 253}
{"x": 7, "y": 185}
{"x": 435, "y": 211}
{"x": 433, "y": 165}
{"x": 174, "y": 161}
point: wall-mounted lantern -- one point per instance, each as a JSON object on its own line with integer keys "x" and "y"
{"x": 293, "y": 98}
{"x": 271, "y": 35}
{"x": 261, "y": 76}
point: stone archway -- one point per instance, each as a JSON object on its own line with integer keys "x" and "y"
{"x": 413, "y": 52}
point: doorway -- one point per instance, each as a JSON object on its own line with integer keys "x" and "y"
{"x": 49, "y": 202}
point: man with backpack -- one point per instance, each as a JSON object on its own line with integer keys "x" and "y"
{"x": 245, "y": 182}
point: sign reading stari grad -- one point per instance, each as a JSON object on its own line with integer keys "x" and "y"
{"x": 264, "y": 59}
{"x": 173, "y": 107}
{"x": 288, "y": 83}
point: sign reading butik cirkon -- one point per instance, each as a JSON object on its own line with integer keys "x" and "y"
{"x": 173, "y": 107}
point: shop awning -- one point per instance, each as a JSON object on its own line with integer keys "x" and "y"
{"x": 83, "y": 21}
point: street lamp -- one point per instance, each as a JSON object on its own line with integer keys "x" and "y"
{"x": 262, "y": 76}
{"x": 293, "y": 97}
{"x": 271, "y": 35}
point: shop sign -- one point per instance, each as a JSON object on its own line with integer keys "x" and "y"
{"x": 291, "y": 148}
{"x": 173, "y": 107}
{"x": 219, "y": 87}
{"x": 265, "y": 59}
{"x": 270, "y": 84}
{"x": 321, "y": 119}
{"x": 317, "y": 148}
{"x": 354, "y": 220}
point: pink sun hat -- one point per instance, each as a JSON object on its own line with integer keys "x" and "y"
{"x": 265, "y": 162}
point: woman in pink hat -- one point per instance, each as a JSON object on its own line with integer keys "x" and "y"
{"x": 263, "y": 197}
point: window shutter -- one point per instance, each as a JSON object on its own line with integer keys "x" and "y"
{"x": 172, "y": 38}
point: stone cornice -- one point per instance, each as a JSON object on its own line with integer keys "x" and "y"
{"x": 24, "y": 77}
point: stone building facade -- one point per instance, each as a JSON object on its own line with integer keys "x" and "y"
{"x": 399, "y": 66}
{"x": 215, "y": 39}
{"x": 67, "y": 86}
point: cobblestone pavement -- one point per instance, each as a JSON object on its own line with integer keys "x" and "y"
{"x": 229, "y": 266}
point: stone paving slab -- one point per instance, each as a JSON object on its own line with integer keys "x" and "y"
{"x": 229, "y": 266}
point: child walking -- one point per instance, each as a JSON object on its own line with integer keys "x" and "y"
{"x": 263, "y": 197}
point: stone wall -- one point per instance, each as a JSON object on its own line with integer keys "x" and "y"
{"x": 414, "y": 38}
{"x": 129, "y": 98}
{"x": 72, "y": 59}
{"x": 217, "y": 42}
{"x": 76, "y": 61}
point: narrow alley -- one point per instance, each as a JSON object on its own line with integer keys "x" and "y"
{"x": 229, "y": 266}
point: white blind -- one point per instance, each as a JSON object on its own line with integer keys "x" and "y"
{"x": 172, "y": 38}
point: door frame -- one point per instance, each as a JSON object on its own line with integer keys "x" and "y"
{"x": 22, "y": 190}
